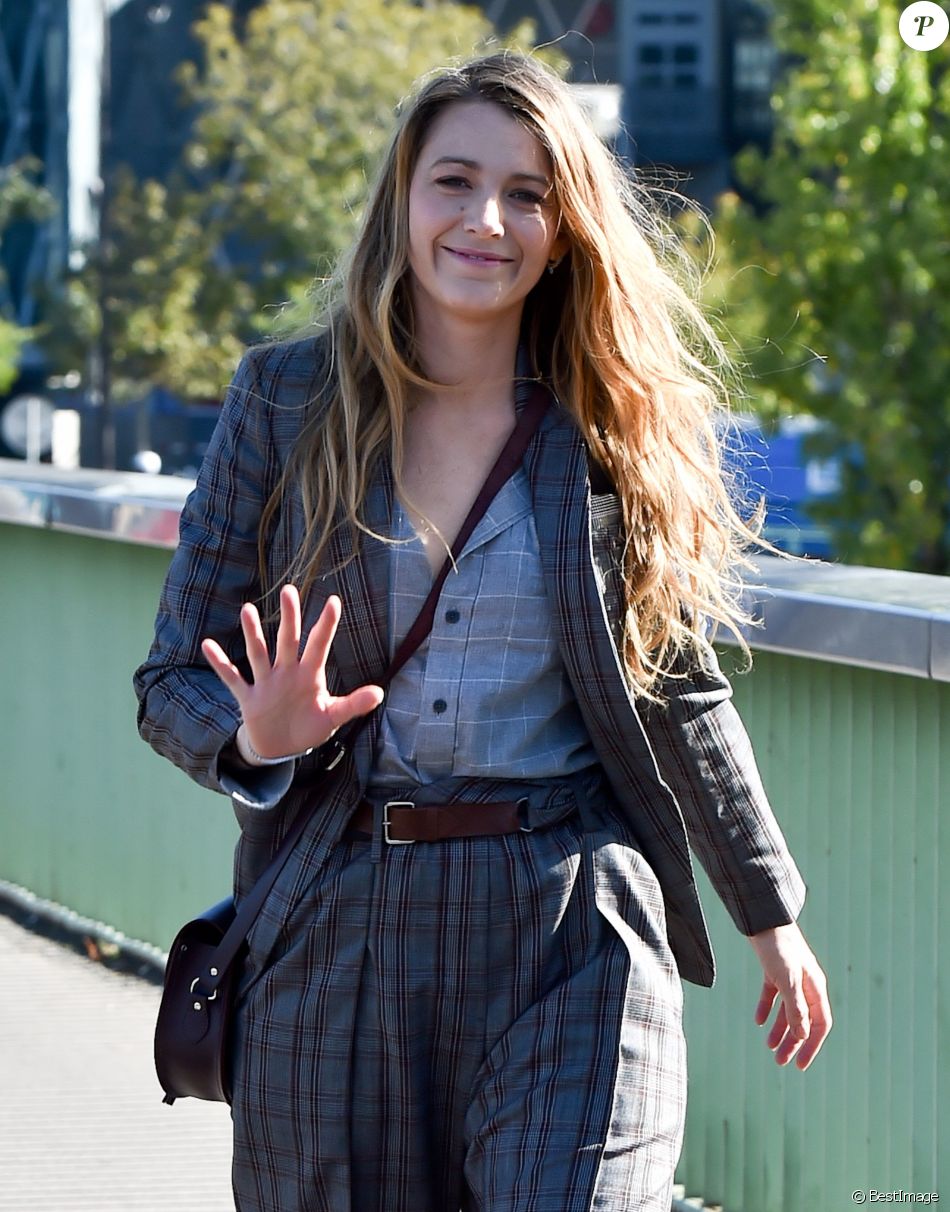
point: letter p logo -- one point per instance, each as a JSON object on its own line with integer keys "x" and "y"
{"x": 924, "y": 25}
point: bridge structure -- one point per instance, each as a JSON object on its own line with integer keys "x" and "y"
{"x": 848, "y": 707}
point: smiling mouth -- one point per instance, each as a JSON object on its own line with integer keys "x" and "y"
{"x": 476, "y": 258}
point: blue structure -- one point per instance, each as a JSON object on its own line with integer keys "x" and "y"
{"x": 778, "y": 466}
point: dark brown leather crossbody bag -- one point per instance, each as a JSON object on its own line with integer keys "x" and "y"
{"x": 192, "y": 1056}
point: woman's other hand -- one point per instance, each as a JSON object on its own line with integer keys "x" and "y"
{"x": 794, "y": 976}
{"x": 287, "y": 708}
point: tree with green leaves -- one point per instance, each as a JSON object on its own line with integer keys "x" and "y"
{"x": 22, "y": 198}
{"x": 293, "y": 110}
{"x": 836, "y": 282}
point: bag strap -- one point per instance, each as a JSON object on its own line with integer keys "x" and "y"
{"x": 505, "y": 465}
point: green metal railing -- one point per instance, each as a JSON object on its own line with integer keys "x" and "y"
{"x": 90, "y": 817}
{"x": 857, "y": 761}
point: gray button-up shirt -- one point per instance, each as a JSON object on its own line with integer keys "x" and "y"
{"x": 486, "y": 694}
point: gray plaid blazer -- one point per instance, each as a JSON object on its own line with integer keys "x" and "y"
{"x": 684, "y": 775}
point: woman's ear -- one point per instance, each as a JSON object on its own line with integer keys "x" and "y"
{"x": 559, "y": 250}
{"x": 561, "y": 246}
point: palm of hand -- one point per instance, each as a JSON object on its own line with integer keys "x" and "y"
{"x": 287, "y": 708}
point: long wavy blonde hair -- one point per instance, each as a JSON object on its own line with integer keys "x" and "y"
{"x": 622, "y": 342}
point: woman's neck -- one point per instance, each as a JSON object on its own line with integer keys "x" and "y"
{"x": 475, "y": 361}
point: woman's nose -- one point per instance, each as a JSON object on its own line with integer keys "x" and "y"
{"x": 483, "y": 215}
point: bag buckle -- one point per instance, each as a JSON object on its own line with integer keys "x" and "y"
{"x": 207, "y": 996}
{"x": 334, "y": 755}
{"x": 395, "y": 841}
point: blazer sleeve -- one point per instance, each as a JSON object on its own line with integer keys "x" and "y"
{"x": 704, "y": 755}
{"x": 185, "y": 712}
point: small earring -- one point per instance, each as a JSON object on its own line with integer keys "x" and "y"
{"x": 554, "y": 263}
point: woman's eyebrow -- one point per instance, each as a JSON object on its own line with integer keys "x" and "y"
{"x": 473, "y": 164}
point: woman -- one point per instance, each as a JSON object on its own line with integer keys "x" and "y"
{"x": 491, "y": 1020}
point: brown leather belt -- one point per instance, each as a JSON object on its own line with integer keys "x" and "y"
{"x": 405, "y": 822}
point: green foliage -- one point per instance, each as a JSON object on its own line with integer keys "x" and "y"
{"x": 12, "y": 340}
{"x": 837, "y": 286}
{"x": 292, "y": 113}
{"x": 21, "y": 198}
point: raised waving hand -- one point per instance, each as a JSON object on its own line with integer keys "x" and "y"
{"x": 287, "y": 708}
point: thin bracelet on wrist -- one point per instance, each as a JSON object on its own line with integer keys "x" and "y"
{"x": 253, "y": 758}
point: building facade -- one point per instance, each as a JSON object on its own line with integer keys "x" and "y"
{"x": 695, "y": 76}
{"x": 33, "y": 126}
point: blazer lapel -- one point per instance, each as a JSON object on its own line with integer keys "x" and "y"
{"x": 558, "y": 471}
{"x": 359, "y": 653}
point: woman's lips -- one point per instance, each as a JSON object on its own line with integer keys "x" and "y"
{"x": 473, "y": 257}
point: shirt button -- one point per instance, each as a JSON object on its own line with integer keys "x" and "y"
{"x": 439, "y": 706}
{"x": 452, "y": 616}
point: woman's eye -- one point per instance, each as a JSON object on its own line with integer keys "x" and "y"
{"x": 452, "y": 182}
{"x": 528, "y": 196}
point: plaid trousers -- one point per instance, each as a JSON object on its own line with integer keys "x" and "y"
{"x": 488, "y": 1024}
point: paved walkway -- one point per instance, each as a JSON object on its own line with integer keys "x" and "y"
{"x": 82, "y": 1124}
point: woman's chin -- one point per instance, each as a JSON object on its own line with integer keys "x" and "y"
{"x": 475, "y": 306}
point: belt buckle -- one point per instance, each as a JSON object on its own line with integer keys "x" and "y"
{"x": 396, "y": 841}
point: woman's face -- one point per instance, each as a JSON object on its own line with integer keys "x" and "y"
{"x": 483, "y": 222}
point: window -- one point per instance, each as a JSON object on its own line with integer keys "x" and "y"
{"x": 753, "y": 63}
{"x": 673, "y": 41}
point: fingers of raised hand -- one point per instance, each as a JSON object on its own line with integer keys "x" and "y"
{"x": 255, "y": 645}
{"x": 317, "y": 648}
{"x": 340, "y": 711}
{"x": 222, "y": 665}
{"x": 288, "y": 633}
{"x": 357, "y": 702}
